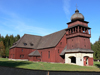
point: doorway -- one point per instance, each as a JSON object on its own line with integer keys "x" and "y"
{"x": 86, "y": 61}
{"x": 73, "y": 59}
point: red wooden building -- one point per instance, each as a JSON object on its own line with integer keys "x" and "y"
{"x": 70, "y": 45}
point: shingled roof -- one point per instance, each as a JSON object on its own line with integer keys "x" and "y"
{"x": 35, "y": 53}
{"x": 51, "y": 40}
{"x": 79, "y": 50}
{"x": 27, "y": 41}
{"x": 65, "y": 50}
{"x": 39, "y": 42}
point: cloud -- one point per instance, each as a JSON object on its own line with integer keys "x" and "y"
{"x": 12, "y": 23}
{"x": 66, "y": 6}
{"x": 15, "y": 26}
{"x": 32, "y": 29}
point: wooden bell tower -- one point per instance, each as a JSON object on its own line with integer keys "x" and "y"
{"x": 78, "y": 33}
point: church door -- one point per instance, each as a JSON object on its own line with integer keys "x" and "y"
{"x": 85, "y": 61}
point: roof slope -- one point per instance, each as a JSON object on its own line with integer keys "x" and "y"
{"x": 28, "y": 39}
{"x": 35, "y": 53}
{"x": 51, "y": 40}
{"x": 40, "y": 42}
{"x": 80, "y": 50}
{"x": 65, "y": 50}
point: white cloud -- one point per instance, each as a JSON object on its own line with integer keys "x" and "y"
{"x": 24, "y": 28}
{"x": 66, "y": 6}
{"x": 14, "y": 24}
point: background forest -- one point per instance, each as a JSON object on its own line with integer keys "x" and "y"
{"x": 7, "y": 41}
{"x": 96, "y": 48}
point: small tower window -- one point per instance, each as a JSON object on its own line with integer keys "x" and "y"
{"x": 72, "y": 39}
{"x": 84, "y": 39}
{"x": 58, "y": 50}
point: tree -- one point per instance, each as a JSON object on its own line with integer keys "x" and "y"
{"x": 6, "y": 43}
{"x": 95, "y": 49}
{"x": 0, "y": 38}
{"x": 99, "y": 38}
{"x": 2, "y": 49}
{"x": 98, "y": 49}
{"x": 17, "y": 38}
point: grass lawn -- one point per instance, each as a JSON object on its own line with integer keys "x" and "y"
{"x": 48, "y": 66}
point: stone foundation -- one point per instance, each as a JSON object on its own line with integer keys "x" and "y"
{"x": 79, "y": 58}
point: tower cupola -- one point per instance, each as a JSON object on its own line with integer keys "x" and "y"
{"x": 77, "y": 16}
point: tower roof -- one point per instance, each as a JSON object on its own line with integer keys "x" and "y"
{"x": 77, "y": 16}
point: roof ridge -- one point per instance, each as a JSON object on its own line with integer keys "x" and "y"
{"x": 32, "y": 35}
{"x": 54, "y": 32}
{"x": 34, "y": 52}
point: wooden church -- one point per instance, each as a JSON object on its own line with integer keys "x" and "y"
{"x": 70, "y": 45}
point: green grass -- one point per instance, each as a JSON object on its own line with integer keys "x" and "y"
{"x": 48, "y": 66}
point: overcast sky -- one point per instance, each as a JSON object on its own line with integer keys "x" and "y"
{"x": 43, "y": 17}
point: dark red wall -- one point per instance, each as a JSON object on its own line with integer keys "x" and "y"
{"x": 77, "y": 22}
{"x": 78, "y": 42}
{"x": 60, "y": 47}
{"x": 54, "y": 53}
{"x": 90, "y": 61}
{"x": 34, "y": 58}
{"x": 18, "y": 51}
{"x": 30, "y": 58}
{"x": 45, "y": 56}
{"x": 12, "y": 53}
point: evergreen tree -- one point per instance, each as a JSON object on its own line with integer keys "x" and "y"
{"x": 95, "y": 49}
{"x": 17, "y": 38}
{"x": 0, "y": 38}
{"x": 2, "y": 49}
{"x": 8, "y": 42}
{"x": 98, "y": 49}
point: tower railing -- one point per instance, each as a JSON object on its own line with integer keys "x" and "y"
{"x": 78, "y": 30}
